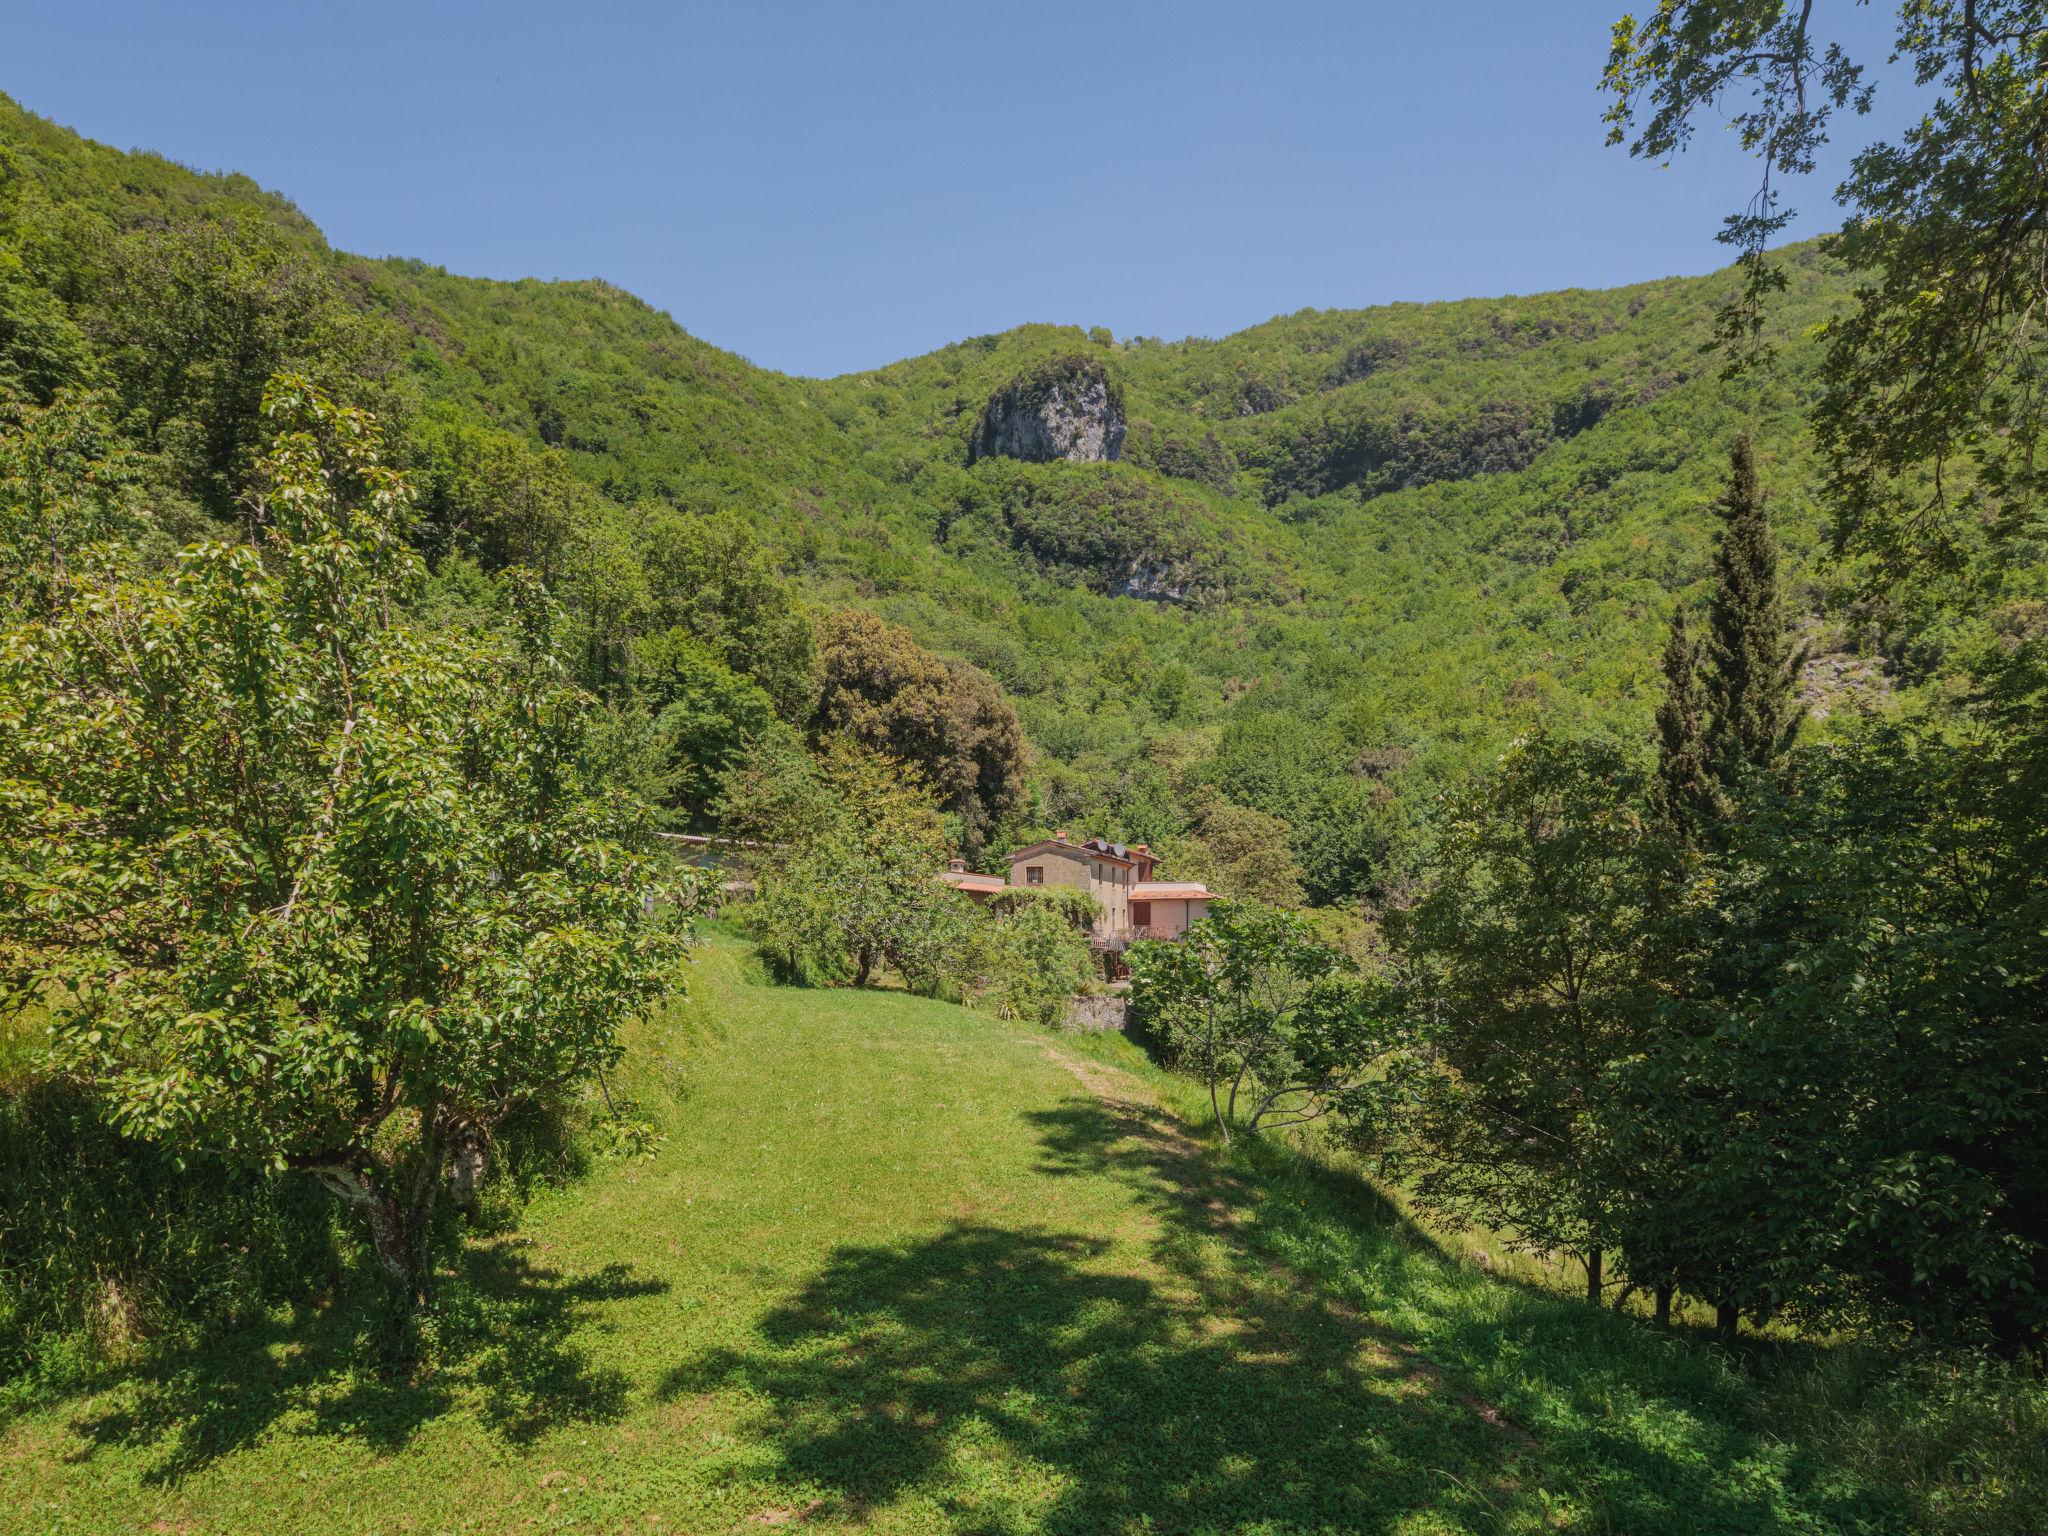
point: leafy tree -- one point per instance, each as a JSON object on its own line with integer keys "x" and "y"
{"x": 604, "y": 591}
{"x": 197, "y": 318}
{"x": 67, "y": 484}
{"x": 41, "y": 347}
{"x": 41, "y": 350}
{"x": 1249, "y": 855}
{"x": 1720, "y": 736}
{"x": 1752, "y": 675}
{"x": 947, "y": 719}
{"x": 1865, "y": 1124}
{"x": 705, "y": 715}
{"x": 1528, "y": 952}
{"x": 1242, "y": 853}
{"x": 846, "y": 853}
{"x": 490, "y": 496}
{"x": 710, "y": 576}
{"x": 1274, "y": 1022}
{"x": 298, "y": 883}
{"x": 1929, "y": 416}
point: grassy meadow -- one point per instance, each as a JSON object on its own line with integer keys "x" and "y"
{"x": 900, "y": 1267}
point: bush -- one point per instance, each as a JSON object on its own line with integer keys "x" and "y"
{"x": 1023, "y": 960}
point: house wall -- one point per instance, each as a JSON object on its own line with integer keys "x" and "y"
{"x": 1110, "y": 883}
{"x": 1062, "y": 866}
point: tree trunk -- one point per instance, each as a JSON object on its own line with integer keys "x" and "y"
{"x": 400, "y": 1230}
{"x": 381, "y": 1214}
{"x": 865, "y": 968}
{"x": 467, "y": 1163}
{"x": 1593, "y": 1283}
{"x": 1727, "y": 1319}
{"x": 1664, "y": 1304}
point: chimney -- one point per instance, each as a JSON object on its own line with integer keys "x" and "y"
{"x": 1060, "y": 836}
{"x": 956, "y": 866}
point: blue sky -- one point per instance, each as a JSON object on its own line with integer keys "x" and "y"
{"x": 827, "y": 187}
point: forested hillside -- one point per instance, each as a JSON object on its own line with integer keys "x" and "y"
{"x": 1609, "y": 727}
{"x": 1342, "y": 555}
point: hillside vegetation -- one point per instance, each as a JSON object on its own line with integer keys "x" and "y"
{"x": 1343, "y": 556}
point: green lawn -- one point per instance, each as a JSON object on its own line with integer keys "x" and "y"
{"x": 904, "y": 1268}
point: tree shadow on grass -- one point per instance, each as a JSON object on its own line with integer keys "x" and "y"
{"x": 1035, "y": 1379}
{"x": 1018, "y": 1378}
{"x": 1660, "y": 1430}
{"x": 502, "y": 1332}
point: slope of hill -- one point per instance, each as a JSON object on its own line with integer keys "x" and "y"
{"x": 1342, "y": 556}
{"x": 1052, "y": 1307}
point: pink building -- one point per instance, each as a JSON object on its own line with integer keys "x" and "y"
{"x": 1134, "y": 905}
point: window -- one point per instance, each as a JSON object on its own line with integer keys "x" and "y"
{"x": 1141, "y": 914}
{"x": 1034, "y": 874}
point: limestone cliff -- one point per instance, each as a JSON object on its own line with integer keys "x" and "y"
{"x": 1065, "y": 409}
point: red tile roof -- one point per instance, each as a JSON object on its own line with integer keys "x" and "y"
{"x": 985, "y": 884}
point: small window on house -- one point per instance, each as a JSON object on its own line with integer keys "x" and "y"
{"x": 1034, "y": 874}
{"x": 1141, "y": 914}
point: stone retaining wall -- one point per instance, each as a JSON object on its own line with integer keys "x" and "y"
{"x": 1093, "y": 1015}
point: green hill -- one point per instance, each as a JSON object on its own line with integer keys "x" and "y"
{"x": 1343, "y": 555}
{"x": 1053, "y": 1306}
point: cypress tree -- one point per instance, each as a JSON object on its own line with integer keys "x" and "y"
{"x": 1730, "y": 708}
{"x": 1752, "y": 671}
{"x": 1682, "y": 795}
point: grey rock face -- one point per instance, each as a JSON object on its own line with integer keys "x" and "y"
{"x": 1069, "y": 412}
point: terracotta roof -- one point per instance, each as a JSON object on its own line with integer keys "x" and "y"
{"x": 1171, "y": 890}
{"x": 972, "y": 882}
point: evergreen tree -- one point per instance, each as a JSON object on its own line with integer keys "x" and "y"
{"x": 1683, "y": 794}
{"x": 1752, "y": 666}
{"x": 1687, "y": 1221}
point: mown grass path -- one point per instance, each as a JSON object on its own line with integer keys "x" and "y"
{"x": 903, "y": 1268}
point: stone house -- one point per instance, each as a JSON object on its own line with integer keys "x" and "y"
{"x": 1134, "y": 904}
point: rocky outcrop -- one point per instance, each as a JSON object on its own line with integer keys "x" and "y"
{"x": 1066, "y": 409}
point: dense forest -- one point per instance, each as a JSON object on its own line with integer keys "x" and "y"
{"x": 1342, "y": 557}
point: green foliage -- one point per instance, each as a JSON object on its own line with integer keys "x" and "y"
{"x": 1237, "y": 851}
{"x": 1272, "y": 1021}
{"x": 1752, "y": 672}
{"x": 107, "y": 1242}
{"x": 1347, "y": 555}
{"x": 1928, "y": 419}
{"x": 67, "y": 484}
{"x": 705, "y": 716}
{"x": 300, "y": 885}
{"x": 1863, "y": 1128}
{"x": 946, "y": 719}
{"x": 197, "y": 318}
{"x": 1430, "y": 601}
{"x": 711, "y": 577}
{"x": 846, "y": 851}
{"x": 1024, "y": 958}
{"x": 1682, "y": 796}
{"x": 1098, "y": 1322}
{"x": 1112, "y": 529}
{"x": 1528, "y": 952}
